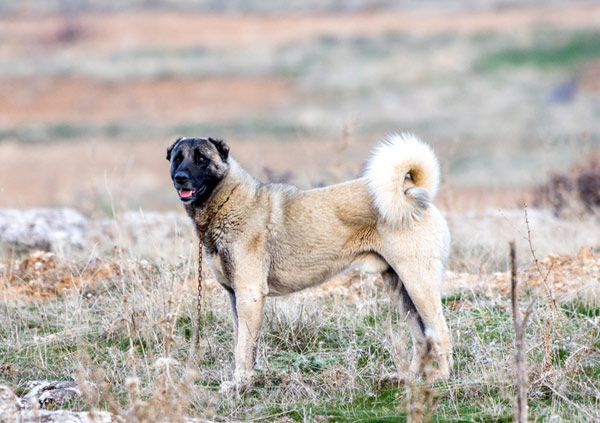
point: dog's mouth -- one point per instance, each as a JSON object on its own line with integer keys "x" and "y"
{"x": 189, "y": 195}
{"x": 186, "y": 193}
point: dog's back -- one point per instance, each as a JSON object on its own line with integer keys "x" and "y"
{"x": 316, "y": 233}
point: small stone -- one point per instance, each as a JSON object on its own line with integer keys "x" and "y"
{"x": 9, "y": 406}
{"x": 51, "y": 392}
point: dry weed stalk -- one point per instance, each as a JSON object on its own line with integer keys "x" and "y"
{"x": 168, "y": 400}
{"x": 520, "y": 324}
{"x": 422, "y": 400}
{"x": 544, "y": 278}
{"x": 550, "y": 322}
{"x": 168, "y": 388}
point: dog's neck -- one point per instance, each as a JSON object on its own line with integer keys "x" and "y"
{"x": 220, "y": 200}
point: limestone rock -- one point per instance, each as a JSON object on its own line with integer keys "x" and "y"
{"x": 9, "y": 406}
{"x": 51, "y": 392}
{"x": 42, "y": 229}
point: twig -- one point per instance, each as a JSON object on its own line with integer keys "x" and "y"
{"x": 591, "y": 417}
{"x": 544, "y": 279}
{"x": 423, "y": 397}
{"x": 550, "y": 298}
{"x": 520, "y": 324}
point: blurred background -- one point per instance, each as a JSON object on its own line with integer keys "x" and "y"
{"x": 92, "y": 93}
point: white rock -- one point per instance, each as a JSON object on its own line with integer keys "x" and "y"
{"x": 43, "y": 229}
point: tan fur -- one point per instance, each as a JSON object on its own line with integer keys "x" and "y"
{"x": 266, "y": 240}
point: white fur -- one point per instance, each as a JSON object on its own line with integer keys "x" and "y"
{"x": 399, "y": 201}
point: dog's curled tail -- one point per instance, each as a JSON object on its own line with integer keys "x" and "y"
{"x": 403, "y": 176}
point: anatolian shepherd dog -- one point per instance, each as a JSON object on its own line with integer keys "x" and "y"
{"x": 274, "y": 239}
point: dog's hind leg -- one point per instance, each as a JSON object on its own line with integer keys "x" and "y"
{"x": 417, "y": 294}
{"x": 422, "y": 283}
{"x": 408, "y": 311}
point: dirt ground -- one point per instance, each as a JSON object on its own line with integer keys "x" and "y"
{"x": 43, "y": 275}
{"x": 87, "y": 100}
{"x": 57, "y": 74}
{"x": 112, "y": 32}
{"x": 67, "y": 98}
{"x": 100, "y": 173}
{"x": 91, "y": 172}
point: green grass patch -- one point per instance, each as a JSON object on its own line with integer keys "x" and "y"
{"x": 290, "y": 361}
{"x": 579, "y": 308}
{"x": 185, "y": 326}
{"x": 450, "y": 298}
{"x": 374, "y": 407}
{"x": 493, "y": 324}
{"x": 320, "y": 359}
{"x": 580, "y": 48}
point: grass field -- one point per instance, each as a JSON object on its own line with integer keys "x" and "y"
{"x": 122, "y": 324}
{"x": 91, "y": 95}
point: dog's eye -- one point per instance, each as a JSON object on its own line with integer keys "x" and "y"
{"x": 178, "y": 158}
{"x": 199, "y": 158}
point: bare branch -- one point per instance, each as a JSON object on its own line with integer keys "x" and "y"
{"x": 543, "y": 278}
{"x": 520, "y": 354}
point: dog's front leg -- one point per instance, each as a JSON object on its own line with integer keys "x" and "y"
{"x": 250, "y": 306}
{"x": 234, "y": 316}
{"x": 248, "y": 281}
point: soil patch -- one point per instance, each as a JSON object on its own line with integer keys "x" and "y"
{"x": 42, "y": 275}
{"x": 110, "y": 32}
{"x": 554, "y": 276}
{"x": 81, "y": 100}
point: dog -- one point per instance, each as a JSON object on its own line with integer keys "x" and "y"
{"x": 274, "y": 239}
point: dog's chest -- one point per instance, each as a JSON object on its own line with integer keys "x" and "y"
{"x": 220, "y": 267}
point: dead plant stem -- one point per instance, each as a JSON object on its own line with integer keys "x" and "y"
{"x": 520, "y": 323}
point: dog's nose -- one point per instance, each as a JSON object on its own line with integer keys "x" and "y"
{"x": 181, "y": 178}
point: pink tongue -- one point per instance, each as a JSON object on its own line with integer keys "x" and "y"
{"x": 185, "y": 193}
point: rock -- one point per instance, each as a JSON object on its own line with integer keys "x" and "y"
{"x": 9, "y": 406}
{"x": 484, "y": 235}
{"x": 65, "y": 416}
{"x": 20, "y": 410}
{"x": 42, "y": 229}
{"x": 44, "y": 393}
{"x": 158, "y": 225}
{"x": 63, "y": 230}
{"x": 14, "y": 410}
{"x": 144, "y": 231}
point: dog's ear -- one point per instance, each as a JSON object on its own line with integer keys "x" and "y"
{"x": 222, "y": 147}
{"x": 171, "y": 148}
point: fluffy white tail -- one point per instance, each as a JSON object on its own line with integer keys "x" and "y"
{"x": 403, "y": 176}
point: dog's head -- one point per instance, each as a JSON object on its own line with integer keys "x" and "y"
{"x": 197, "y": 167}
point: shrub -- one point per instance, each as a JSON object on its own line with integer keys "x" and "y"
{"x": 577, "y": 190}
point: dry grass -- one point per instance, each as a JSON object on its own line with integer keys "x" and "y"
{"x": 334, "y": 353}
{"x": 121, "y": 323}
{"x": 120, "y": 317}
